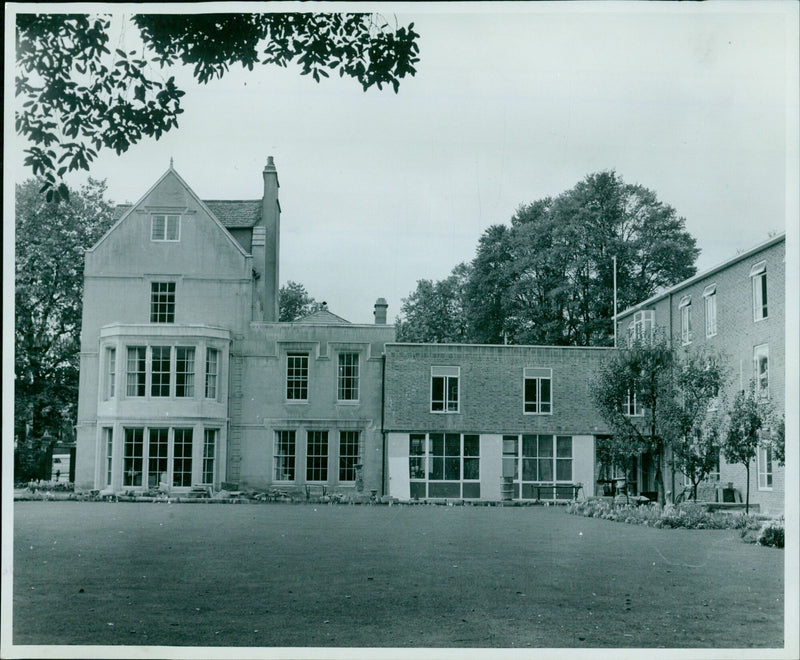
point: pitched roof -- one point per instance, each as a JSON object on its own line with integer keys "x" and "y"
{"x": 230, "y": 212}
{"x": 235, "y": 212}
{"x": 323, "y": 317}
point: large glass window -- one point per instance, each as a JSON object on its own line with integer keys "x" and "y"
{"x": 133, "y": 457}
{"x": 182, "y": 461}
{"x": 209, "y": 455}
{"x": 710, "y": 304}
{"x": 444, "y": 465}
{"x": 297, "y": 376}
{"x": 137, "y": 371}
{"x": 284, "y": 456}
{"x": 538, "y": 391}
{"x": 758, "y": 274}
{"x": 348, "y": 454}
{"x": 317, "y": 456}
{"x": 765, "y": 468}
{"x": 212, "y": 370}
{"x": 444, "y": 389}
{"x": 761, "y": 368}
{"x": 162, "y": 302}
{"x": 641, "y": 327}
{"x": 686, "y": 319}
{"x": 347, "y": 385}
{"x": 165, "y": 227}
{"x": 184, "y": 371}
{"x": 159, "y": 370}
{"x": 158, "y": 451}
{"x": 632, "y": 407}
{"x": 111, "y": 372}
{"x": 108, "y": 441}
{"x": 542, "y": 465}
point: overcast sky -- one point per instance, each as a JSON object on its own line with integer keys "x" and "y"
{"x": 511, "y": 103}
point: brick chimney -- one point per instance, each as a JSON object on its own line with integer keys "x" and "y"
{"x": 380, "y": 311}
{"x": 268, "y": 234}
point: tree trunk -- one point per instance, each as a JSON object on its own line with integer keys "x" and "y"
{"x": 747, "y": 498}
{"x": 694, "y": 490}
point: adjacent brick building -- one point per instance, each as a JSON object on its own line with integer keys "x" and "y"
{"x": 737, "y": 310}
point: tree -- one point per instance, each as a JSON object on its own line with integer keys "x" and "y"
{"x": 294, "y": 302}
{"x": 77, "y": 97}
{"x": 697, "y": 417}
{"x": 656, "y": 400}
{"x": 548, "y": 279}
{"x": 747, "y": 416}
{"x": 435, "y": 311}
{"x": 50, "y": 241}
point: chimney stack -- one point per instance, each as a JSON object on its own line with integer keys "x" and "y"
{"x": 271, "y": 223}
{"x": 380, "y": 311}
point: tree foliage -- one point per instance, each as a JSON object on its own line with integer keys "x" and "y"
{"x": 50, "y": 241}
{"x": 294, "y": 302}
{"x": 748, "y": 415}
{"x": 672, "y": 393}
{"x": 434, "y": 312}
{"x": 77, "y": 97}
{"x": 548, "y": 278}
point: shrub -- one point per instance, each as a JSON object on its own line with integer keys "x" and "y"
{"x": 772, "y": 533}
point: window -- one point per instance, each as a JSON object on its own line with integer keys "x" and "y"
{"x": 165, "y": 227}
{"x": 348, "y": 454}
{"x": 537, "y": 462}
{"x": 444, "y": 389}
{"x": 761, "y": 368}
{"x": 209, "y": 453}
{"x": 765, "y": 468}
{"x": 111, "y": 372}
{"x": 212, "y": 366}
{"x": 710, "y": 304}
{"x": 758, "y": 274}
{"x": 686, "y": 319}
{"x": 347, "y": 387}
{"x": 182, "y": 460}
{"x": 317, "y": 456}
{"x": 132, "y": 458}
{"x": 642, "y": 325}
{"x": 162, "y": 302}
{"x": 631, "y": 406}
{"x": 447, "y": 465}
{"x": 108, "y": 441}
{"x": 184, "y": 371}
{"x": 297, "y": 376}
{"x": 538, "y": 391}
{"x": 157, "y": 461}
{"x": 284, "y": 457}
{"x": 137, "y": 371}
{"x": 159, "y": 370}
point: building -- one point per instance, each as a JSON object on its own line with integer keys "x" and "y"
{"x": 188, "y": 378}
{"x": 737, "y": 310}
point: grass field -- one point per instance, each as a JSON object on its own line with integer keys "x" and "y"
{"x": 303, "y": 575}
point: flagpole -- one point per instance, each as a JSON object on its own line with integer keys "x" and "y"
{"x": 615, "y": 300}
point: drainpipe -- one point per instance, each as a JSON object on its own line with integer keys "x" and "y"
{"x": 384, "y": 485}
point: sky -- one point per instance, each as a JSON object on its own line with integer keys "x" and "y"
{"x": 510, "y": 104}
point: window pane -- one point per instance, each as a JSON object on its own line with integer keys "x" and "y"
{"x": 436, "y": 468}
{"x": 437, "y": 393}
{"x": 545, "y": 469}
{"x": 529, "y": 472}
{"x": 452, "y": 394}
{"x": 133, "y": 462}
{"x": 137, "y": 369}
{"x": 416, "y": 445}
{"x": 545, "y": 395}
{"x": 209, "y": 454}
{"x": 471, "y": 468}
{"x": 317, "y": 456}
{"x": 437, "y": 444}
{"x": 564, "y": 446}
{"x": 162, "y": 302}
{"x": 284, "y": 455}
{"x": 348, "y": 455}
{"x": 416, "y": 467}
{"x": 212, "y": 360}
{"x": 347, "y": 388}
{"x": 510, "y": 444}
{"x": 471, "y": 445}
{"x": 452, "y": 444}
{"x": 531, "y": 395}
{"x": 184, "y": 372}
{"x": 297, "y": 376}
{"x": 182, "y": 462}
{"x": 545, "y": 445}
{"x": 452, "y": 469}
{"x": 158, "y": 223}
{"x": 159, "y": 370}
{"x": 157, "y": 458}
{"x": 173, "y": 227}
{"x": 529, "y": 445}
{"x": 564, "y": 469}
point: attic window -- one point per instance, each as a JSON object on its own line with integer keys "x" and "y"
{"x": 165, "y": 227}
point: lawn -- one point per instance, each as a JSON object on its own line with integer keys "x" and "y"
{"x": 405, "y": 576}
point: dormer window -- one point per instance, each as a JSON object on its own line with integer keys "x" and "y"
{"x": 165, "y": 227}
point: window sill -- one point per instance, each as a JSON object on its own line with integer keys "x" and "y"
{"x": 539, "y": 414}
{"x": 294, "y": 402}
{"x": 445, "y": 412}
{"x": 347, "y": 402}
{"x": 765, "y": 489}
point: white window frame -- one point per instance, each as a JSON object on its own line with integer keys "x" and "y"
{"x": 632, "y": 403}
{"x": 111, "y": 372}
{"x": 190, "y": 375}
{"x": 446, "y": 374}
{"x": 766, "y": 471}
{"x": 108, "y": 447}
{"x": 297, "y": 382}
{"x": 427, "y": 459}
{"x": 160, "y": 303}
{"x": 758, "y": 276}
{"x": 211, "y": 384}
{"x": 345, "y": 459}
{"x": 537, "y": 374}
{"x": 320, "y": 438}
{"x": 642, "y": 325}
{"x": 162, "y": 234}
{"x": 762, "y": 380}
{"x": 291, "y": 433}
{"x": 519, "y": 456}
{"x": 685, "y": 308}
{"x": 354, "y": 376}
{"x": 710, "y": 308}
{"x": 210, "y": 442}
